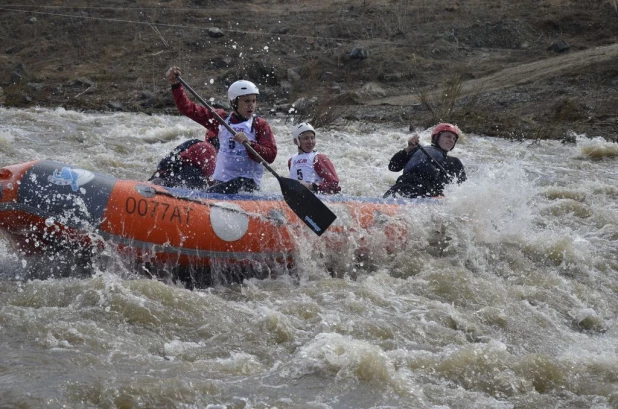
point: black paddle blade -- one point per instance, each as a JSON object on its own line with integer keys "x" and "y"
{"x": 306, "y": 205}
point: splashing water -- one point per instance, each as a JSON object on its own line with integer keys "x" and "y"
{"x": 502, "y": 296}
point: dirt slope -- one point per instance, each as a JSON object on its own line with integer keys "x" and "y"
{"x": 498, "y": 56}
{"x": 521, "y": 74}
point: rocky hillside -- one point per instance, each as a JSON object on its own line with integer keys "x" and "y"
{"x": 522, "y": 69}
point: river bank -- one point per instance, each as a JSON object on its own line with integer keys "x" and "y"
{"x": 533, "y": 70}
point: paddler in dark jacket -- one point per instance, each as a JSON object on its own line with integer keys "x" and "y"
{"x": 422, "y": 177}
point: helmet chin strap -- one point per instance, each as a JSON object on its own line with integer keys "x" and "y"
{"x": 235, "y": 108}
{"x": 234, "y": 105}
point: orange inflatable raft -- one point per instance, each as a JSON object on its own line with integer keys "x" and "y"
{"x": 48, "y": 207}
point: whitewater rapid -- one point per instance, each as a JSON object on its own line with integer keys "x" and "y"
{"x": 503, "y": 297}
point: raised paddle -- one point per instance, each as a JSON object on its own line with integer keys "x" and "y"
{"x": 301, "y": 200}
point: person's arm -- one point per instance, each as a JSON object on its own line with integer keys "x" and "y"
{"x": 325, "y": 169}
{"x": 264, "y": 143}
{"x": 196, "y": 112}
{"x": 401, "y": 158}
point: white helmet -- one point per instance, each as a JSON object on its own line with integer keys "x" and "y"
{"x": 300, "y": 128}
{"x": 240, "y": 88}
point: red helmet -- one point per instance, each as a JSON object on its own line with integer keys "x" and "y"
{"x": 444, "y": 127}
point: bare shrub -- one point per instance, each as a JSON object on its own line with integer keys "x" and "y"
{"x": 324, "y": 106}
{"x": 442, "y": 102}
{"x": 396, "y": 19}
{"x": 553, "y": 130}
{"x": 564, "y": 111}
{"x": 326, "y": 110}
{"x": 311, "y": 72}
{"x": 449, "y": 102}
{"x": 15, "y": 95}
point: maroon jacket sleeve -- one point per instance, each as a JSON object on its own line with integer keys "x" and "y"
{"x": 198, "y": 113}
{"x": 324, "y": 167}
{"x": 264, "y": 144}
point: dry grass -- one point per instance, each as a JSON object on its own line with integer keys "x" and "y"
{"x": 442, "y": 103}
{"x": 326, "y": 110}
{"x": 322, "y": 105}
{"x": 449, "y": 103}
{"x": 557, "y": 121}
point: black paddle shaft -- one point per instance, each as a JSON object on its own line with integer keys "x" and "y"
{"x": 433, "y": 159}
{"x": 301, "y": 200}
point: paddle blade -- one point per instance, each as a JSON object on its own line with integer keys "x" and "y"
{"x": 306, "y": 205}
